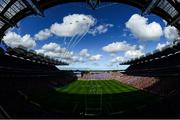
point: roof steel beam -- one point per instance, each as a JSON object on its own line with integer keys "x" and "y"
{"x": 175, "y": 4}
{"x": 2, "y": 17}
{"x": 5, "y": 20}
{"x": 34, "y": 6}
{"x": 152, "y": 4}
{"x": 93, "y": 3}
{"x": 8, "y": 5}
{"x": 175, "y": 20}
{"x": 37, "y": 7}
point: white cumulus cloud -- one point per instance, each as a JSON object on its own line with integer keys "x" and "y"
{"x": 77, "y": 59}
{"x": 54, "y": 50}
{"x": 100, "y": 29}
{"x": 133, "y": 53}
{"x": 161, "y": 46}
{"x": 75, "y": 24}
{"x": 43, "y": 34}
{"x": 95, "y": 57}
{"x": 84, "y": 53}
{"x": 118, "y": 59}
{"x": 13, "y": 40}
{"x": 118, "y": 46}
{"x": 171, "y": 33}
{"x": 130, "y": 51}
{"x": 53, "y": 47}
{"x": 143, "y": 30}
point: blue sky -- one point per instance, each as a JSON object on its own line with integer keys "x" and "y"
{"x": 107, "y": 24}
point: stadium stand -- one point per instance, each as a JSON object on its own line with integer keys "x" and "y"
{"x": 19, "y": 78}
{"x": 157, "y": 72}
{"x": 162, "y": 86}
{"x": 164, "y": 62}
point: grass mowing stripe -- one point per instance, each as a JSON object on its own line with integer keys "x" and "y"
{"x": 112, "y": 87}
{"x": 76, "y": 88}
{"x": 71, "y": 87}
{"x": 123, "y": 87}
{"x": 89, "y": 86}
{"x": 65, "y": 87}
{"x": 120, "y": 87}
{"x": 115, "y": 86}
{"x": 96, "y": 87}
{"x": 99, "y": 87}
{"x": 105, "y": 88}
{"x": 86, "y": 86}
{"x": 83, "y": 88}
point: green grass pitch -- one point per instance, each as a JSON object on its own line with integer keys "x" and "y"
{"x": 95, "y": 87}
{"x": 94, "y": 97}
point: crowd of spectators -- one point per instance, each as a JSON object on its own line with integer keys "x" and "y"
{"x": 158, "y": 85}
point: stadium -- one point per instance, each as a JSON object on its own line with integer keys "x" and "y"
{"x": 31, "y": 86}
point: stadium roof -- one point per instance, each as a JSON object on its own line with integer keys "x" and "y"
{"x": 32, "y": 56}
{"x": 12, "y": 11}
{"x": 157, "y": 54}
